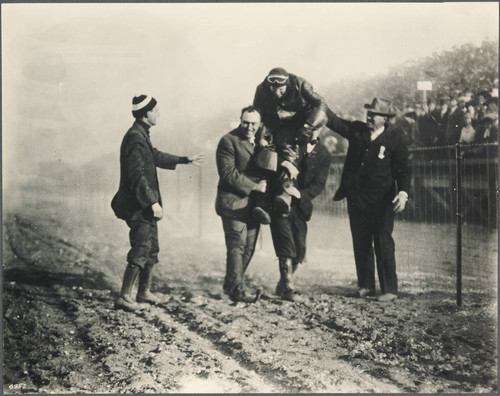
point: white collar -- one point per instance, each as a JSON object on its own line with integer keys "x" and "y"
{"x": 376, "y": 134}
{"x": 310, "y": 147}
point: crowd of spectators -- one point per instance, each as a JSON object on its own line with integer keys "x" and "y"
{"x": 463, "y": 118}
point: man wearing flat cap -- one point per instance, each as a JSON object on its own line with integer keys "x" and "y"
{"x": 139, "y": 203}
{"x": 376, "y": 181}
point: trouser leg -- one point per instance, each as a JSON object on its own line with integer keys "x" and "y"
{"x": 235, "y": 233}
{"x": 253, "y": 229}
{"x": 385, "y": 250}
{"x": 362, "y": 239}
{"x": 282, "y": 236}
{"x": 299, "y": 232}
{"x": 143, "y": 238}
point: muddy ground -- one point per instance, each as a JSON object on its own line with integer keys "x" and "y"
{"x": 62, "y": 269}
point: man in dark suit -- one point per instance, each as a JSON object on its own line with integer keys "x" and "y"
{"x": 290, "y": 233}
{"x": 239, "y": 177}
{"x": 376, "y": 181}
{"x": 138, "y": 200}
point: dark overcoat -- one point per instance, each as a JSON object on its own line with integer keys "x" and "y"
{"x": 313, "y": 174}
{"x": 374, "y": 170}
{"x": 237, "y": 175}
{"x": 139, "y": 187}
{"x": 294, "y": 107}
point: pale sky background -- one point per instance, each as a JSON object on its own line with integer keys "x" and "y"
{"x": 69, "y": 71}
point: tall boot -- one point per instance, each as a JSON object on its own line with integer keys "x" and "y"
{"x": 144, "y": 294}
{"x": 285, "y": 288}
{"x": 125, "y": 301}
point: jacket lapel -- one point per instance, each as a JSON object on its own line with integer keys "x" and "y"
{"x": 245, "y": 143}
{"x": 366, "y": 136}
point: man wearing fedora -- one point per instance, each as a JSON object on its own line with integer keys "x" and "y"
{"x": 139, "y": 203}
{"x": 376, "y": 181}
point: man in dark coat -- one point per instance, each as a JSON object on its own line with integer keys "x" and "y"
{"x": 455, "y": 121}
{"x": 290, "y": 233}
{"x": 291, "y": 110}
{"x": 238, "y": 179}
{"x": 285, "y": 99}
{"x": 376, "y": 181}
{"x": 138, "y": 200}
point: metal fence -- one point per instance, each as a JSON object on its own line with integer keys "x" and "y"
{"x": 449, "y": 228}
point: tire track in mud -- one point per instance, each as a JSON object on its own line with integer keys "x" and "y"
{"x": 133, "y": 352}
{"x": 279, "y": 353}
{"x": 283, "y": 349}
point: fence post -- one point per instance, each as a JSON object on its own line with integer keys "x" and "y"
{"x": 200, "y": 201}
{"x": 458, "y": 173}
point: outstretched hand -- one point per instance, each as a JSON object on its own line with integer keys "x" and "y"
{"x": 196, "y": 159}
{"x": 399, "y": 201}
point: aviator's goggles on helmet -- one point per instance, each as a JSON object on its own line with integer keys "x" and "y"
{"x": 277, "y": 80}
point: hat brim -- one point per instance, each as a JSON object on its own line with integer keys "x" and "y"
{"x": 380, "y": 113}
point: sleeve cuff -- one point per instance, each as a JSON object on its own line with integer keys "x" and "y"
{"x": 184, "y": 160}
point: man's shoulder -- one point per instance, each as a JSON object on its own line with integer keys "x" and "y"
{"x": 135, "y": 132}
{"x": 299, "y": 81}
{"x": 397, "y": 135}
{"x": 231, "y": 136}
{"x": 261, "y": 88}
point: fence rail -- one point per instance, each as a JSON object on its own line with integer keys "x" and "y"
{"x": 426, "y": 233}
{"x": 453, "y": 201}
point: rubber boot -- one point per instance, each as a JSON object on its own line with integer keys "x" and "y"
{"x": 144, "y": 294}
{"x": 285, "y": 286}
{"x": 125, "y": 301}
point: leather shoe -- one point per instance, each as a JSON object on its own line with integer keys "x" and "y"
{"x": 362, "y": 293}
{"x": 261, "y": 216}
{"x": 386, "y": 297}
{"x": 127, "y": 304}
{"x": 241, "y": 295}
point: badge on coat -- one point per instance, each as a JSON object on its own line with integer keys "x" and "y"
{"x": 381, "y": 152}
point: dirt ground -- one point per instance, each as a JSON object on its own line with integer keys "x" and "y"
{"x": 62, "y": 269}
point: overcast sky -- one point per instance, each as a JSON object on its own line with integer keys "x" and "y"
{"x": 75, "y": 67}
